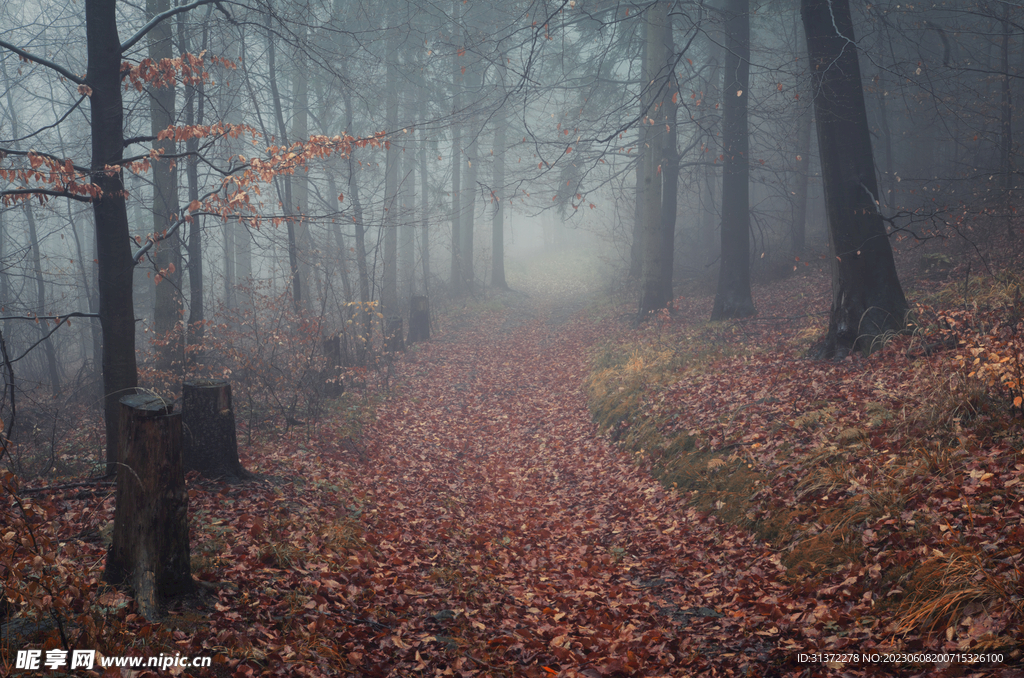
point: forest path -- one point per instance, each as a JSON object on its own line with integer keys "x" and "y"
{"x": 520, "y": 542}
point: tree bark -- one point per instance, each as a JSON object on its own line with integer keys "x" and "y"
{"x": 867, "y": 299}
{"x": 150, "y": 548}
{"x": 734, "y": 299}
{"x": 113, "y": 252}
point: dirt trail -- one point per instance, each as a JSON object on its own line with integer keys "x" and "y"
{"x": 523, "y": 544}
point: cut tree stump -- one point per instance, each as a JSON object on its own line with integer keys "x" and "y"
{"x": 419, "y": 320}
{"x": 150, "y": 548}
{"x": 208, "y": 429}
{"x": 394, "y": 338}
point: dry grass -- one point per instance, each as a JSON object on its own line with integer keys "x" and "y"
{"x": 856, "y": 483}
{"x": 948, "y": 585}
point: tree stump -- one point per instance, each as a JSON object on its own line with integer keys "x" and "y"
{"x": 150, "y": 548}
{"x": 394, "y": 340}
{"x": 208, "y": 422}
{"x": 419, "y": 320}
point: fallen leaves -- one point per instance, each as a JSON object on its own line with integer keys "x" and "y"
{"x": 489, "y": 528}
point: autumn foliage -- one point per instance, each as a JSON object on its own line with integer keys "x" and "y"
{"x": 482, "y": 523}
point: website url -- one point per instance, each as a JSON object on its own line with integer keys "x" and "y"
{"x": 34, "y": 660}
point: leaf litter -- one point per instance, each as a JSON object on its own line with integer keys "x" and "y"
{"x": 486, "y": 526}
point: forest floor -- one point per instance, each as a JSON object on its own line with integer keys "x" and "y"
{"x": 737, "y": 509}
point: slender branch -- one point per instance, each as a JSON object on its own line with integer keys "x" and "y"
{"x": 46, "y": 191}
{"x": 49, "y": 156}
{"x": 60, "y": 321}
{"x": 74, "y": 314}
{"x": 169, "y": 232}
{"x": 125, "y": 46}
{"x": 43, "y": 129}
{"x": 77, "y": 79}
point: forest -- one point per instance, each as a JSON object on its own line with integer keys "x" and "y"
{"x": 541, "y": 338}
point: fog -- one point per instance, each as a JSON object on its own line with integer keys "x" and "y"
{"x": 340, "y": 152}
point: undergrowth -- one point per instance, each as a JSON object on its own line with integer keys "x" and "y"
{"x": 895, "y": 475}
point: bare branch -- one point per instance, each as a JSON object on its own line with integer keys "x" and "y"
{"x": 46, "y": 192}
{"x": 127, "y": 45}
{"x": 43, "y": 129}
{"x": 77, "y": 79}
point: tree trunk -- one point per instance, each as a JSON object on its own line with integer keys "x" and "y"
{"x": 658, "y": 151}
{"x": 1006, "y": 126}
{"x": 150, "y": 548}
{"x": 498, "y": 218}
{"x": 467, "y": 205}
{"x": 407, "y": 235}
{"x": 44, "y": 332}
{"x": 286, "y": 199}
{"x": 300, "y": 182}
{"x": 456, "y": 274}
{"x": 195, "y": 100}
{"x": 208, "y": 421}
{"x": 798, "y": 229}
{"x": 113, "y": 252}
{"x": 636, "y": 247}
{"x": 670, "y": 181}
{"x": 392, "y": 201}
{"x": 888, "y": 181}
{"x": 360, "y": 233}
{"x": 467, "y": 198}
{"x": 167, "y": 303}
{"x": 230, "y": 275}
{"x": 4, "y": 284}
{"x": 733, "y": 299}
{"x": 867, "y": 300}
{"x": 37, "y": 264}
{"x": 424, "y": 193}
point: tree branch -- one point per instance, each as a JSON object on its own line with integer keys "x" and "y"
{"x": 77, "y": 79}
{"x": 50, "y": 156}
{"x": 73, "y": 314}
{"x": 48, "y": 192}
{"x": 138, "y": 140}
{"x": 43, "y": 129}
{"x": 125, "y": 46}
{"x": 168, "y": 233}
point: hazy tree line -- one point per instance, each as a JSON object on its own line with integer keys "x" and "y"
{"x": 694, "y": 138}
